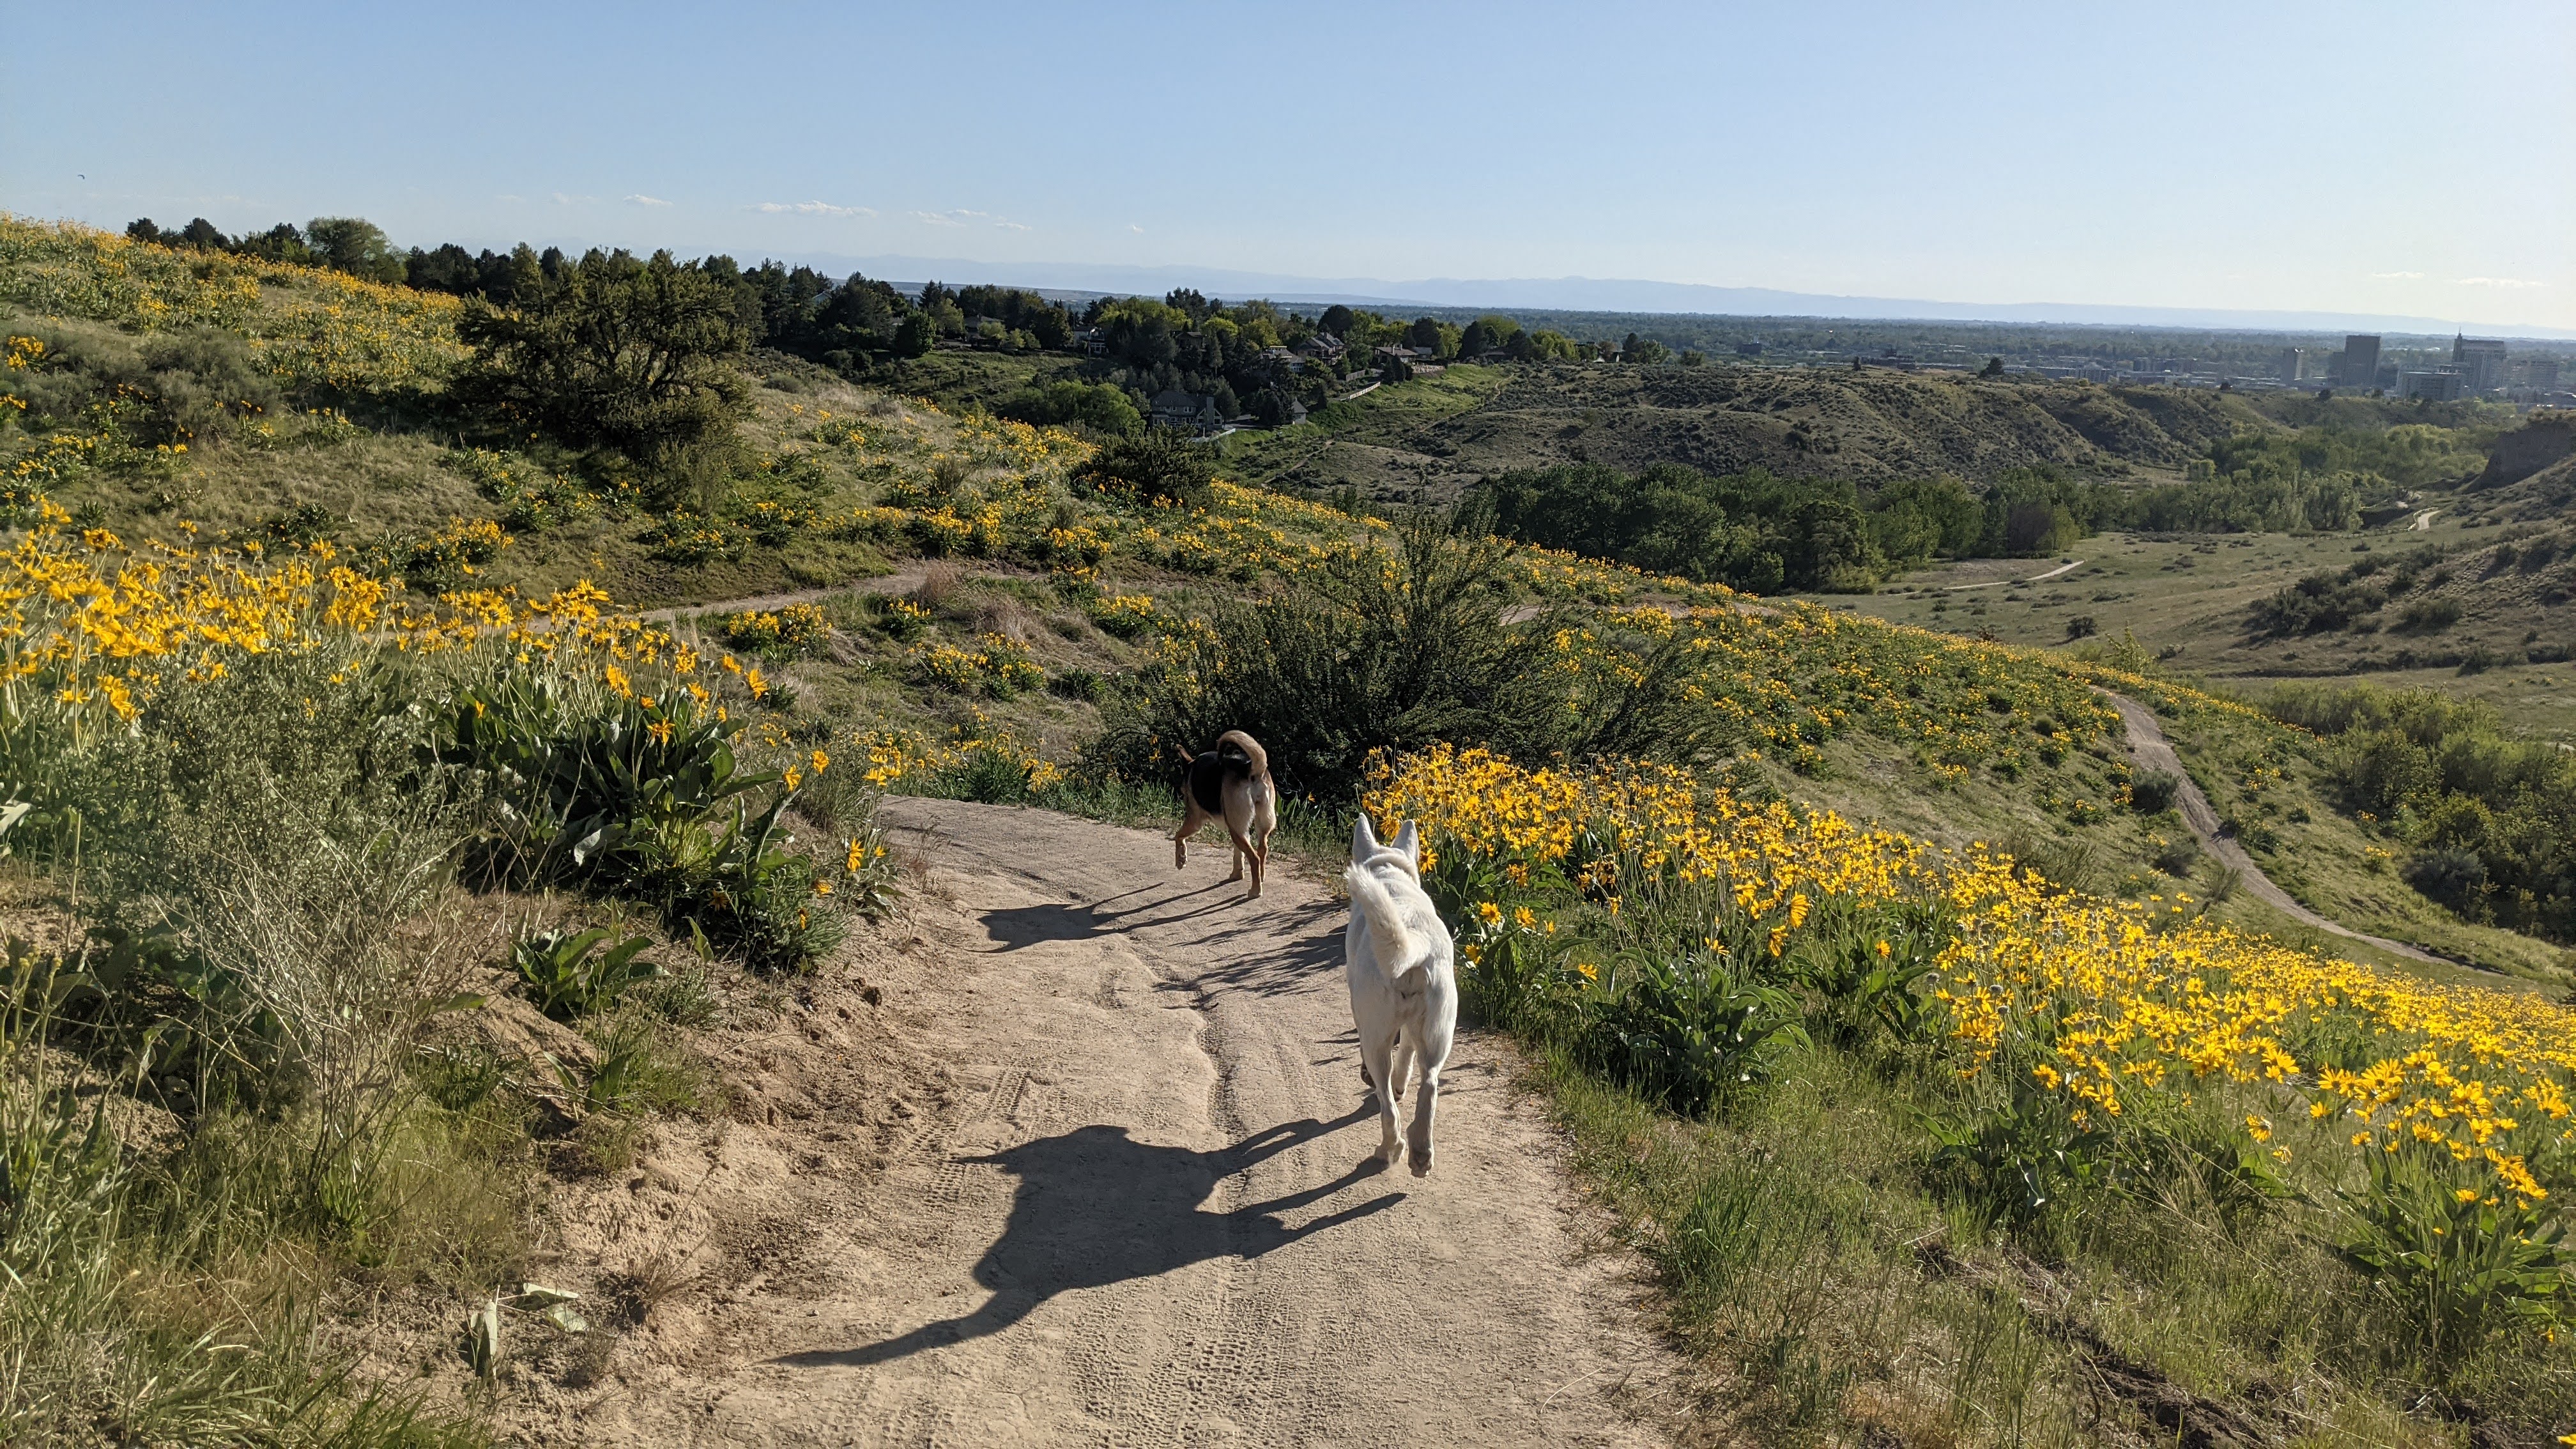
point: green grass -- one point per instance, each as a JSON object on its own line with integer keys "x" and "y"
{"x": 1805, "y": 1253}
{"x": 2187, "y": 600}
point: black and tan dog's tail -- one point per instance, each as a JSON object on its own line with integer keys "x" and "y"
{"x": 1241, "y": 754}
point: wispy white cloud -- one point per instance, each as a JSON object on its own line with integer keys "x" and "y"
{"x": 1131, "y": 226}
{"x": 960, "y": 216}
{"x": 811, "y": 208}
{"x": 2396, "y": 276}
{"x": 640, "y": 199}
{"x": 2506, "y": 282}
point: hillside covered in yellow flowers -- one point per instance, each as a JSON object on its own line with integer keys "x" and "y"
{"x": 1777, "y": 890}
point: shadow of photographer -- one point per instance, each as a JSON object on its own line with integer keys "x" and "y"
{"x": 1095, "y": 1207}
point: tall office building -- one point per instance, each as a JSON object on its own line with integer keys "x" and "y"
{"x": 2440, "y": 384}
{"x": 2480, "y": 361}
{"x": 2360, "y": 362}
{"x": 2294, "y": 363}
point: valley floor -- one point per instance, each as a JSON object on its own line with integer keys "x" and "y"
{"x": 1130, "y": 1206}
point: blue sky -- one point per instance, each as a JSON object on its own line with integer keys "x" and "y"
{"x": 2383, "y": 158}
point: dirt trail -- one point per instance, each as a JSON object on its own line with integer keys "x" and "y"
{"x": 905, "y": 578}
{"x": 1140, "y": 1216}
{"x": 2147, "y": 741}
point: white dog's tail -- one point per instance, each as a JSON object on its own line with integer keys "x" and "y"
{"x": 1401, "y": 951}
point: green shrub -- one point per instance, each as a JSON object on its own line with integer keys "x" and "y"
{"x": 1156, "y": 465}
{"x": 567, "y": 975}
{"x": 1392, "y": 649}
{"x": 1689, "y": 1030}
{"x": 2453, "y": 1264}
{"x": 629, "y": 797}
{"x": 2152, "y": 792}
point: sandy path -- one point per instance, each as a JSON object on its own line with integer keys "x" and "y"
{"x": 2064, "y": 568}
{"x": 1141, "y": 1218}
{"x": 905, "y": 578}
{"x": 2147, "y": 741}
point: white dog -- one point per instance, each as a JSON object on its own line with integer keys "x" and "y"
{"x": 1404, "y": 984}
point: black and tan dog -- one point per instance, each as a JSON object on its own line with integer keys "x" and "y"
{"x": 1230, "y": 783}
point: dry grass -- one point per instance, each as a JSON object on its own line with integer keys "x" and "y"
{"x": 940, "y": 582}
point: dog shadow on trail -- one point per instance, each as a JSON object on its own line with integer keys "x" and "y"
{"x": 1095, "y": 1207}
{"x": 1265, "y": 952}
{"x": 1018, "y": 927}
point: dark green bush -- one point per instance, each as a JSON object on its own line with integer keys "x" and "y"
{"x": 1156, "y": 465}
{"x": 2152, "y": 792}
{"x": 635, "y": 356}
{"x": 1392, "y": 649}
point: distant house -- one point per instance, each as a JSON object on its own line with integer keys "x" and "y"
{"x": 1401, "y": 353}
{"x": 1194, "y": 411}
{"x": 1091, "y": 340}
{"x": 1277, "y": 361}
{"x": 1323, "y": 347}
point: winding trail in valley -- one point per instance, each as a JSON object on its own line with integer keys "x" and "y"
{"x": 1145, "y": 1214}
{"x": 2148, "y": 743}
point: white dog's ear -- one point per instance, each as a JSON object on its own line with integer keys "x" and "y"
{"x": 1409, "y": 841}
{"x": 1363, "y": 840}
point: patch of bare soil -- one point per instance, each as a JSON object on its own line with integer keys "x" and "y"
{"x": 1087, "y": 1169}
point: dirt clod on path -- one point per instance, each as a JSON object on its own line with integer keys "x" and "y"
{"x": 1129, "y": 1207}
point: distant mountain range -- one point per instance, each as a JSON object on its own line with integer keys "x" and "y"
{"x": 1595, "y": 294}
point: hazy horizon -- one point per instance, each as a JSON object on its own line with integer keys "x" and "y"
{"x": 2334, "y": 162}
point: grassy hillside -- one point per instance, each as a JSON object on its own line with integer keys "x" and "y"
{"x": 1429, "y": 439}
{"x": 261, "y": 538}
{"x": 837, "y": 483}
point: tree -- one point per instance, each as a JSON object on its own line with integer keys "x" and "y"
{"x": 1994, "y": 368}
{"x": 635, "y": 356}
{"x": 202, "y": 234}
{"x": 283, "y": 242}
{"x": 142, "y": 230}
{"x": 354, "y": 245}
{"x": 1694, "y": 358}
{"x": 451, "y": 268}
{"x": 1337, "y": 320}
{"x": 1477, "y": 340}
{"x": 1159, "y": 465}
{"x": 1423, "y": 335}
{"x": 1097, "y": 406}
{"x": 914, "y": 336}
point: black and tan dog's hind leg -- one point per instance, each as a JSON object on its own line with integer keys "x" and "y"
{"x": 1251, "y": 815}
{"x": 1193, "y": 818}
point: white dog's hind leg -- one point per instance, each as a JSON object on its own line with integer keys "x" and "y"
{"x": 1400, "y": 1064}
{"x": 1418, "y": 1140}
{"x": 1374, "y": 1062}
